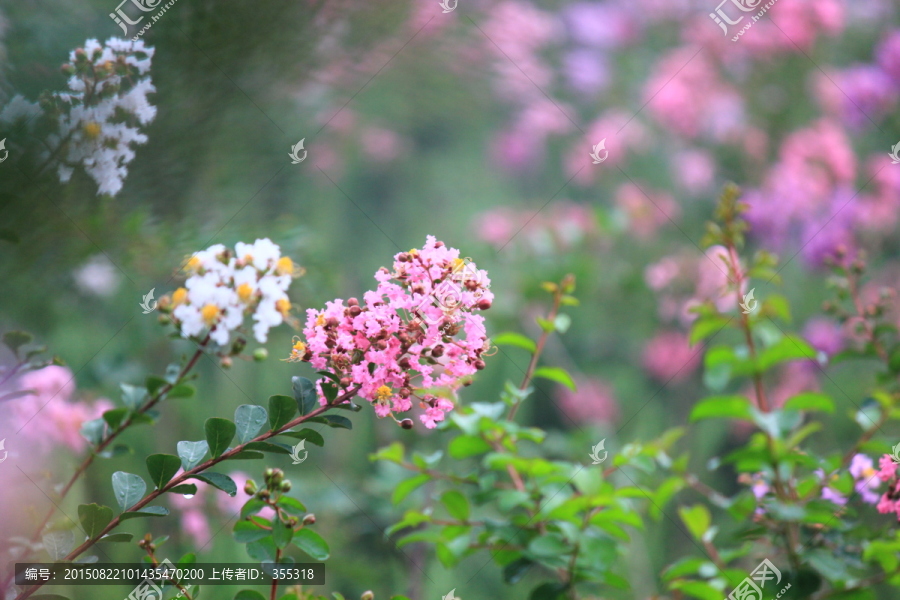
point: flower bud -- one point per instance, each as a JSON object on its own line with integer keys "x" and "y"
{"x": 250, "y": 487}
{"x": 238, "y": 345}
{"x": 285, "y": 486}
{"x": 163, "y": 319}
{"x": 226, "y": 362}
{"x": 309, "y": 519}
{"x": 479, "y": 364}
{"x": 406, "y": 423}
{"x": 264, "y": 494}
{"x": 367, "y": 595}
{"x": 437, "y": 351}
{"x": 352, "y": 302}
{"x": 484, "y": 304}
{"x": 260, "y": 354}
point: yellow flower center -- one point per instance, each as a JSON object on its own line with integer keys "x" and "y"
{"x": 457, "y": 264}
{"x": 245, "y": 292}
{"x": 320, "y": 320}
{"x": 179, "y": 296}
{"x": 92, "y": 130}
{"x": 248, "y": 259}
{"x": 283, "y": 306}
{"x": 285, "y": 266}
{"x": 868, "y": 473}
{"x": 192, "y": 265}
{"x": 210, "y": 313}
{"x": 299, "y": 347}
{"x": 383, "y": 393}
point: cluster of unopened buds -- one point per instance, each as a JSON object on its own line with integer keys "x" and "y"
{"x": 224, "y": 286}
{"x": 417, "y": 336}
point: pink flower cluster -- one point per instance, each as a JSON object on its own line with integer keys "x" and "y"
{"x": 416, "y": 336}
{"x": 557, "y": 228}
{"x": 593, "y": 402}
{"x": 47, "y": 416}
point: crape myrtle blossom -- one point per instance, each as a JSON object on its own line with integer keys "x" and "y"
{"x": 226, "y": 285}
{"x": 97, "y": 120}
{"x": 415, "y": 337}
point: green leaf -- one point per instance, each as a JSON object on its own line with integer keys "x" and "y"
{"x": 154, "y": 384}
{"x": 191, "y": 453}
{"x": 514, "y": 571}
{"x": 266, "y": 447}
{"x": 49, "y": 597}
{"x": 787, "y": 349}
{"x": 162, "y": 468}
{"x": 408, "y": 486}
{"x": 249, "y": 595}
{"x": 94, "y": 518}
{"x": 219, "y": 433}
{"x": 93, "y": 430}
{"x": 182, "y": 390}
{"x": 518, "y": 340}
{"x": 116, "y": 538}
{"x": 58, "y": 543}
{"x": 147, "y": 511}
{"x": 707, "y": 326}
{"x": 696, "y": 518}
{"x": 223, "y": 482}
{"x": 810, "y": 401}
{"x": 548, "y": 591}
{"x": 465, "y": 446}
{"x": 249, "y": 419}
{"x": 281, "y": 411}
{"x": 16, "y": 339}
{"x": 292, "y": 506}
{"x": 556, "y": 374}
{"x": 722, "y": 407}
{"x": 247, "y": 455}
{"x": 336, "y": 421}
{"x": 549, "y": 545}
{"x": 188, "y": 489}
{"x": 115, "y": 416}
{"x": 281, "y": 533}
{"x": 312, "y": 543}
{"x": 304, "y": 394}
{"x": 133, "y": 396}
{"x": 246, "y": 532}
{"x": 263, "y": 550}
{"x": 456, "y": 504}
{"x": 311, "y": 435}
{"x": 128, "y": 489}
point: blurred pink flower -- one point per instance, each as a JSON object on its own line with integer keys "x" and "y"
{"x": 858, "y": 95}
{"x": 587, "y": 71}
{"x": 555, "y": 228}
{"x": 660, "y": 274}
{"x": 47, "y": 417}
{"x": 522, "y": 146}
{"x": 888, "y": 55}
{"x": 647, "y": 210}
{"x": 824, "y": 335}
{"x": 600, "y": 25}
{"x": 687, "y": 95}
{"x": 196, "y": 526}
{"x": 380, "y": 145}
{"x": 621, "y": 133}
{"x": 594, "y": 401}
{"x": 792, "y": 26}
{"x": 669, "y": 357}
{"x": 713, "y": 279}
{"x": 694, "y": 170}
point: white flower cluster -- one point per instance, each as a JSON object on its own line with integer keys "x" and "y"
{"x": 224, "y": 286}
{"x": 97, "y": 131}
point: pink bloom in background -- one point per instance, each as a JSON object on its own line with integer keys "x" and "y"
{"x": 48, "y": 417}
{"x": 645, "y": 209}
{"x": 555, "y": 228}
{"x": 621, "y": 132}
{"x": 522, "y": 146}
{"x": 878, "y": 211}
{"x": 795, "y": 378}
{"x": 859, "y": 96}
{"x": 604, "y": 26}
{"x": 380, "y": 145}
{"x": 810, "y": 185}
{"x": 687, "y": 96}
{"x": 888, "y": 55}
{"x": 694, "y": 170}
{"x": 792, "y": 26}
{"x": 670, "y": 357}
{"x": 713, "y": 282}
{"x": 588, "y": 71}
{"x": 594, "y": 401}
{"x": 824, "y": 335}
{"x": 660, "y": 274}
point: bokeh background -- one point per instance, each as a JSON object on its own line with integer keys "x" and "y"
{"x": 475, "y": 126}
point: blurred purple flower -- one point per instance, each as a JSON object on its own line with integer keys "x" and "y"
{"x": 858, "y": 95}
{"x": 587, "y": 71}
{"x": 824, "y": 335}
{"x": 599, "y": 25}
{"x": 888, "y": 55}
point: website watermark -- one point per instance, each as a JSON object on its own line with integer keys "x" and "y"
{"x": 751, "y": 588}
{"x": 124, "y": 20}
{"x": 723, "y": 20}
